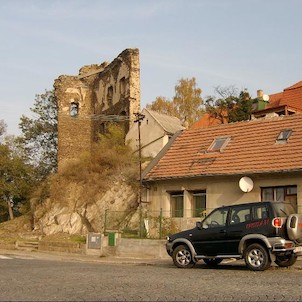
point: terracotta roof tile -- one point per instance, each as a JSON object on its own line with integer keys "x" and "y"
{"x": 252, "y": 149}
{"x": 291, "y": 96}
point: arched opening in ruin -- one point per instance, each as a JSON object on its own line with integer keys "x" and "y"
{"x": 74, "y": 109}
{"x": 123, "y": 87}
{"x": 110, "y": 96}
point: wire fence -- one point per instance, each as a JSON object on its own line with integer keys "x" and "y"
{"x": 154, "y": 224}
{"x": 151, "y": 224}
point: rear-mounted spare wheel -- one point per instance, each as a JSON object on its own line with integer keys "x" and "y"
{"x": 294, "y": 228}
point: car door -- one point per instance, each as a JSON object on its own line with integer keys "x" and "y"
{"x": 237, "y": 227}
{"x": 210, "y": 238}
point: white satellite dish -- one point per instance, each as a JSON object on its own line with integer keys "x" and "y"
{"x": 265, "y": 98}
{"x": 246, "y": 184}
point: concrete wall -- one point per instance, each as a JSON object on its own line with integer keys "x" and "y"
{"x": 141, "y": 248}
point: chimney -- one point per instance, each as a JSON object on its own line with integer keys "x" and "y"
{"x": 260, "y": 102}
{"x": 259, "y": 94}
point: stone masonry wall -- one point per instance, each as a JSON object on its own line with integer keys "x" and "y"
{"x": 88, "y": 101}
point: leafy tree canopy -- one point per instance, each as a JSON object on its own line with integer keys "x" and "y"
{"x": 229, "y": 106}
{"x": 39, "y": 138}
{"x": 16, "y": 181}
{"x": 186, "y": 104}
{"x": 2, "y": 127}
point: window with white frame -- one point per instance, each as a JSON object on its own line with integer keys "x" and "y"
{"x": 219, "y": 144}
{"x": 283, "y": 136}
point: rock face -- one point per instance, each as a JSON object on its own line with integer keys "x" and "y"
{"x": 76, "y": 215}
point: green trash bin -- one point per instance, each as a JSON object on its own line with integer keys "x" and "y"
{"x": 111, "y": 239}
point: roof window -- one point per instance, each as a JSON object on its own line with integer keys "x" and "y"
{"x": 283, "y": 136}
{"x": 219, "y": 144}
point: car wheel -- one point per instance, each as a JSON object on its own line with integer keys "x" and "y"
{"x": 286, "y": 260}
{"x": 182, "y": 257}
{"x": 256, "y": 257}
{"x": 212, "y": 261}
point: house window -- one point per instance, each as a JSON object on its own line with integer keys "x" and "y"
{"x": 177, "y": 204}
{"x": 283, "y": 136}
{"x": 286, "y": 193}
{"x": 218, "y": 144}
{"x": 74, "y": 109}
{"x": 199, "y": 203}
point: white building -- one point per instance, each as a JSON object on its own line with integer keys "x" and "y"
{"x": 156, "y": 129}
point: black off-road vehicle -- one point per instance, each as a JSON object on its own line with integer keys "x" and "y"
{"x": 260, "y": 233}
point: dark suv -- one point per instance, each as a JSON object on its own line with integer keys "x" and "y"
{"x": 259, "y": 232}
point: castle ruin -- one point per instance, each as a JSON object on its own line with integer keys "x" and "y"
{"x": 86, "y": 102}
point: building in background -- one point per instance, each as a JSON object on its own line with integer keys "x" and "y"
{"x": 156, "y": 130}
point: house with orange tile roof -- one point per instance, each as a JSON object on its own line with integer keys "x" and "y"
{"x": 287, "y": 102}
{"x": 203, "y": 168}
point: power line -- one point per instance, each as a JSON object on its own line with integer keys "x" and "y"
{"x": 98, "y": 117}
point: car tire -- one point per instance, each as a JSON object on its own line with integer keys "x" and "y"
{"x": 212, "y": 261}
{"x": 182, "y": 257}
{"x": 256, "y": 257}
{"x": 286, "y": 260}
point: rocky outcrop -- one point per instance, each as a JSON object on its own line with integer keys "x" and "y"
{"x": 77, "y": 215}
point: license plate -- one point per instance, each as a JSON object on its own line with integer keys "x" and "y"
{"x": 298, "y": 249}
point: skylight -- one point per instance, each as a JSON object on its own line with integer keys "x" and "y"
{"x": 283, "y": 136}
{"x": 218, "y": 144}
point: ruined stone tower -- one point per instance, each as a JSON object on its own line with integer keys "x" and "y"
{"x": 87, "y": 101}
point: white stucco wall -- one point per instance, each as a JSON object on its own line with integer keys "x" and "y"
{"x": 153, "y": 136}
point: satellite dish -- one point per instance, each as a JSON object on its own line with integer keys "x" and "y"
{"x": 265, "y": 97}
{"x": 246, "y": 184}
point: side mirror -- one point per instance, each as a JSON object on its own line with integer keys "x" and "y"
{"x": 199, "y": 225}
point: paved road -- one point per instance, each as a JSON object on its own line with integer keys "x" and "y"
{"x": 25, "y": 278}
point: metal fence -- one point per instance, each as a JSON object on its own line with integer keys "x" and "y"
{"x": 154, "y": 224}
{"x": 151, "y": 224}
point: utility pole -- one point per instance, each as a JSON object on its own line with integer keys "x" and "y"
{"x": 138, "y": 120}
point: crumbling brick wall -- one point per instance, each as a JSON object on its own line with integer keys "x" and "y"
{"x": 87, "y": 101}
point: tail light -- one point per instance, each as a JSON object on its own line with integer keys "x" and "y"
{"x": 277, "y": 222}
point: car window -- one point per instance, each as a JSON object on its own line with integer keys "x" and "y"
{"x": 260, "y": 212}
{"x": 240, "y": 214}
{"x": 216, "y": 219}
{"x": 283, "y": 209}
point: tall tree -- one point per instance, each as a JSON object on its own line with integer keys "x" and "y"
{"x": 163, "y": 105}
{"x": 188, "y": 101}
{"x": 40, "y": 134}
{"x": 16, "y": 183}
{"x": 229, "y": 106}
{"x": 186, "y": 104}
{"x": 2, "y": 127}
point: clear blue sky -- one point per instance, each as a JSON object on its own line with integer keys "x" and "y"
{"x": 253, "y": 44}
